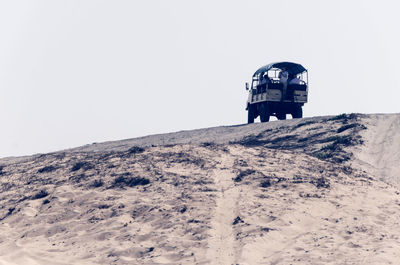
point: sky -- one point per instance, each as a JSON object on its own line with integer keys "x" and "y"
{"x": 75, "y": 72}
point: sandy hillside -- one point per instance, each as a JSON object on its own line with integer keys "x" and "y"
{"x": 322, "y": 190}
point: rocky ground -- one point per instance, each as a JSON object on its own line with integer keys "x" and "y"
{"x": 320, "y": 190}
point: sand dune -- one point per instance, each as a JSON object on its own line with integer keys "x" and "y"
{"x": 320, "y": 190}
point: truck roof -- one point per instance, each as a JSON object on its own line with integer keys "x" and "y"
{"x": 291, "y": 68}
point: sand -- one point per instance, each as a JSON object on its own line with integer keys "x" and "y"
{"x": 380, "y": 154}
{"x": 322, "y": 190}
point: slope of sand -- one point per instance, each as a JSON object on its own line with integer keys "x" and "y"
{"x": 381, "y": 152}
{"x": 306, "y": 191}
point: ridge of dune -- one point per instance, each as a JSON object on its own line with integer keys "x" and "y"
{"x": 218, "y": 135}
{"x": 304, "y": 191}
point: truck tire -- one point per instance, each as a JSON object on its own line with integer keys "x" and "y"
{"x": 250, "y": 114}
{"x": 264, "y": 112}
{"x": 281, "y": 116}
{"x": 297, "y": 113}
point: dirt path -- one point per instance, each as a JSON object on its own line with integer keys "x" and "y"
{"x": 381, "y": 150}
{"x": 222, "y": 242}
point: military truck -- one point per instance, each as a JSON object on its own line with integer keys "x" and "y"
{"x": 277, "y": 89}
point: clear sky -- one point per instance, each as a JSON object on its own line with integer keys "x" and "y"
{"x": 75, "y": 72}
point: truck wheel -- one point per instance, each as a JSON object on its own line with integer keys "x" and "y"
{"x": 250, "y": 114}
{"x": 297, "y": 113}
{"x": 281, "y": 116}
{"x": 264, "y": 112}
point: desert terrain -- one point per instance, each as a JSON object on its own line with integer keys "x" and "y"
{"x": 320, "y": 190}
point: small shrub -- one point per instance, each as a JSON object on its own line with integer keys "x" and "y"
{"x": 305, "y": 139}
{"x": 46, "y": 169}
{"x": 77, "y": 178}
{"x": 283, "y": 138}
{"x": 339, "y": 117}
{"x": 243, "y": 174}
{"x": 95, "y": 219}
{"x": 345, "y": 140}
{"x": 346, "y": 127}
{"x": 97, "y": 183}
{"x": 183, "y": 209}
{"x": 349, "y": 126}
{"x": 321, "y": 183}
{"x": 124, "y": 181}
{"x": 322, "y": 155}
{"x": 312, "y": 138}
{"x": 344, "y": 117}
{"x": 338, "y": 142}
{"x": 266, "y": 229}
{"x": 46, "y": 201}
{"x": 347, "y": 170}
{"x": 135, "y": 150}
{"x": 265, "y": 183}
{"x": 352, "y": 116}
{"x": 151, "y": 249}
{"x": 207, "y": 144}
{"x": 10, "y": 211}
{"x": 250, "y": 140}
{"x": 237, "y": 220}
{"x": 332, "y": 147}
{"x": 82, "y": 165}
{"x": 330, "y": 139}
{"x": 303, "y": 124}
{"x": 39, "y": 195}
{"x": 341, "y": 159}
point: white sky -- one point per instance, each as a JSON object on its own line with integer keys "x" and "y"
{"x": 83, "y": 71}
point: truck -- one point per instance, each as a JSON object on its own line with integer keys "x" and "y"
{"x": 277, "y": 89}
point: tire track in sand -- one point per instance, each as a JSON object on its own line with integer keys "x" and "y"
{"x": 222, "y": 245}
